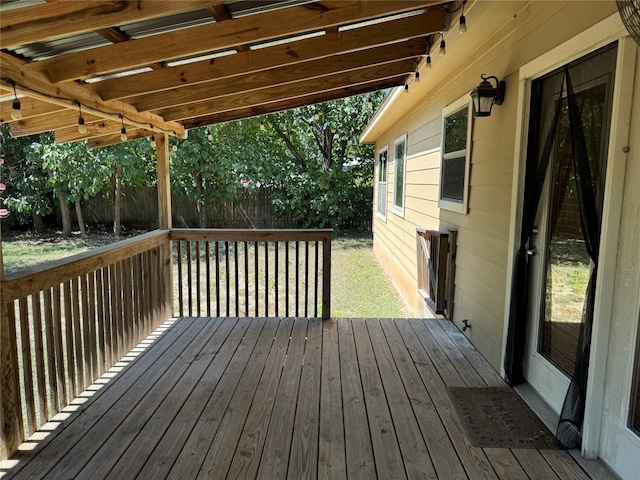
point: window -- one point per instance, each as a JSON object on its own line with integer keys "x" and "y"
{"x": 400, "y": 155}
{"x": 454, "y": 167}
{"x": 382, "y": 183}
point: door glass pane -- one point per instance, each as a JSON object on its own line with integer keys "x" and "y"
{"x": 568, "y": 265}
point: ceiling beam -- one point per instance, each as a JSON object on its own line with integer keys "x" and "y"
{"x": 115, "y": 35}
{"x": 288, "y": 104}
{"x": 248, "y": 63}
{"x": 114, "y": 139}
{"x": 214, "y": 37}
{"x": 220, "y": 13}
{"x": 283, "y": 92}
{"x": 36, "y": 85}
{"x": 95, "y": 129}
{"x": 54, "y": 20}
{"x": 284, "y": 75}
{"x": 29, "y": 107}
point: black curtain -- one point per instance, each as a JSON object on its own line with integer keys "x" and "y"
{"x": 569, "y": 433}
{"x": 542, "y": 125}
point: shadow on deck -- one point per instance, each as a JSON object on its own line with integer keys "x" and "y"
{"x": 282, "y": 398}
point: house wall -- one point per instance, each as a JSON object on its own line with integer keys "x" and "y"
{"x": 511, "y": 34}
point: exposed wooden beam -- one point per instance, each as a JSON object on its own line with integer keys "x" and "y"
{"x": 36, "y": 85}
{"x": 95, "y": 129}
{"x": 283, "y": 75}
{"x": 29, "y": 107}
{"x": 115, "y": 35}
{"x": 213, "y": 37}
{"x": 220, "y": 13}
{"x": 248, "y": 63}
{"x": 283, "y": 92}
{"x": 293, "y": 103}
{"x": 62, "y": 19}
{"x": 48, "y": 123}
{"x": 114, "y": 139}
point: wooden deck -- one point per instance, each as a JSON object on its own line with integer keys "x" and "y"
{"x": 267, "y": 398}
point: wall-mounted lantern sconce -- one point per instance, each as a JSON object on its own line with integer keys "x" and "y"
{"x": 486, "y": 95}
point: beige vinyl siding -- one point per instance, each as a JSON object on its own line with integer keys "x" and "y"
{"x": 523, "y": 31}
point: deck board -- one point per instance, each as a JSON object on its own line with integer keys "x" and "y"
{"x": 282, "y": 398}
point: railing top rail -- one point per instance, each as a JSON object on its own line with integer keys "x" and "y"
{"x": 250, "y": 235}
{"x": 34, "y": 279}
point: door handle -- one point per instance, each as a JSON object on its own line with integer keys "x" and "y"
{"x": 532, "y": 252}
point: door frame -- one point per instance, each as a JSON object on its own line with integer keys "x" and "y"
{"x": 599, "y": 35}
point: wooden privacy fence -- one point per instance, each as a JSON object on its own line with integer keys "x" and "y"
{"x": 281, "y": 273}
{"x": 64, "y": 325}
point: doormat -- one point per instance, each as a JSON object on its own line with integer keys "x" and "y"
{"x": 499, "y": 418}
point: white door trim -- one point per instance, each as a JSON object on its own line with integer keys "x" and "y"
{"x": 597, "y": 36}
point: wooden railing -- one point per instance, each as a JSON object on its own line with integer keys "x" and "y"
{"x": 67, "y": 322}
{"x": 277, "y": 273}
{"x": 436, "y": 269}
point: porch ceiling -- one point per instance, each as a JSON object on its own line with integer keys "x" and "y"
{"x": 165, "y": 66}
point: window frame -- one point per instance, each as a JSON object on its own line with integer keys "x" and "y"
{"x": 448, "y": 203}
{"x": 382, "y": 214}
{"x": 399, "y": 209}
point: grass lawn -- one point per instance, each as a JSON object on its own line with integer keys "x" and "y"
{"x": 359, "y": 286}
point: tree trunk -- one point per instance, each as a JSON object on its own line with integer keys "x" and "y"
{"x": 65, "y": 213}
{"x": 38, "y": 222}
{"x": 117, "y": 195}
{"x": 83, "y": 230}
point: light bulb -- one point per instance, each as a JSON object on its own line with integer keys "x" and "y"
{"x": 317, "y": 116}
{"x": 427, "y": 64}
{"x": 153, "y": 141}
{"x": 16, "y": 114}
{"x": 174, "y": 148}
{"x": 262, "y": 127}
{"x": 443, "y": 48}
{"x": 123, "y": 134}
{"x": 463, "y": 24}
{"x": 417, "y": 76}
{"x": 406, "y": 88}
{"x": 82, "y": 129}
{"x": 210, "y": 137}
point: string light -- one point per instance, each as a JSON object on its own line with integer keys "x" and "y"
{"x": 152, "y": 142}
{"x": 443, "y": 47}
{"x": 406, "y": 88}
{"x": 123, "y": 131}
{"x": 417, "y": 74}
{"x": 262, "y": 126}
{"x": 174, "y": 148}
{"x": 82, "y": 129}
{"x": 463, "y": 20}
{"x": 427, "y": 64}
{"x": 16, "y": 113}
{"x": 317, "y": 116}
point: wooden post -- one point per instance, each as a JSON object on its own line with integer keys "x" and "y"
{"x": 164, "y": 223}
{"x": 10, "y": 415}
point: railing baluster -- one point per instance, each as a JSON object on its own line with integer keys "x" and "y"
{"x": 189, "y": 280}
{"x": 297, "y": 279}
{"x": 61, "y": 384}
{"x": 93, "y": 337}
{"x": 315, "y": 278}
{"x": 52, "y": 391}
{"x": 100, "y": 318}
{"x": 237, "y": 281}
{"x": 246, "y": 279}
{"x": 43, "y": 408}
{"x": 217, "y": 247}
{"x": 115, "y": 312}
{"x": 108, "y": 344}
{"x": 86, "y": 336}
{"x": 256, "y": 264}
{"x": 306, "y": 279}
{"x": 266, "y": 279}
{"x": 180, "y": 280}
{"x": 277, "y": 265}
{"x": 198, "y": 303}
{"x": 68, "y": 335}
{"x": 286, "y": 279}
{"x": 226, "y": 276}
{"x": 208, "y": 268}
{"x": 27, "y": 366}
